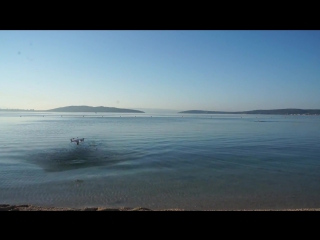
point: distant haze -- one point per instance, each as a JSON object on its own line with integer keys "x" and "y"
{"x": 161, "y": 71}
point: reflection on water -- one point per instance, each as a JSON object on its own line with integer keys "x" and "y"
{"x": 84, "y": 155}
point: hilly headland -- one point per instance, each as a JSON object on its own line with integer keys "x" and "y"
{"x": 93, "y": 109}
{"x": 79, "y": 109}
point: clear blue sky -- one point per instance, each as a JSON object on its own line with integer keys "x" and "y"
{"x": 180, "y": 70}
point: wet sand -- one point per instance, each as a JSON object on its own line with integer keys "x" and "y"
{"x": 8, "y": 207}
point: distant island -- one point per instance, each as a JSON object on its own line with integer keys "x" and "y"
{"x": 93, "y": 109}
{"x": 80, "y": 109}
{"x": 287, "y": 111}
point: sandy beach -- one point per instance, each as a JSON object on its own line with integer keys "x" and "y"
{"x": 8, "y": 207}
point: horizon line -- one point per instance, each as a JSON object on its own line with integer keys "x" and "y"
{"x": 31, "y": 109}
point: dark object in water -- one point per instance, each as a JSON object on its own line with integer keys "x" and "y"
{"x": 77, "y": 140}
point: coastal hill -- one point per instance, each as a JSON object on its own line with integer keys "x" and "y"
{"x": 77, "y": 109}
{"x": 287, "y": 111}
{"x": 93, "y": 109}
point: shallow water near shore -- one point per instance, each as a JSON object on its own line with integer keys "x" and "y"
{"x": 160, "y": 161}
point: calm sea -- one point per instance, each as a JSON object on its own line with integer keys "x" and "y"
{"x": 160, "y": 161}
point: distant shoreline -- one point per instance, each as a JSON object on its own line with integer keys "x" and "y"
{"x": 288, "y": 111}
{"x": 82, "y": 109}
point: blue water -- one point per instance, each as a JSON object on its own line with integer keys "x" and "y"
{"x": 160, "y": 161}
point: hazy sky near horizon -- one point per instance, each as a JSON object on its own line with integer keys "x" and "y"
{"x": 167, "y": 69}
